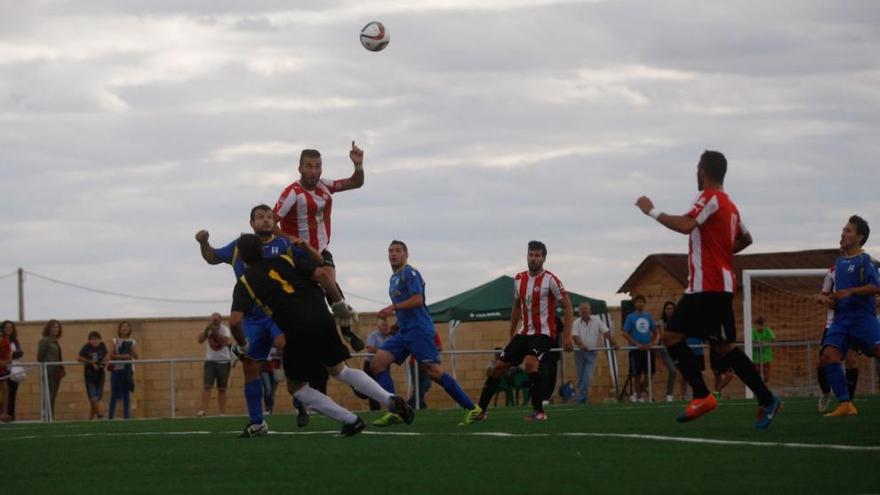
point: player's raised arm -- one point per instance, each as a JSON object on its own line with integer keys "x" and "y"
{"x": 206, "y": 249}
{"x": 679, "y": 223}
{"x": 357, "y": 178}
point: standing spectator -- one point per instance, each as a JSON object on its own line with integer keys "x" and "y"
{"x": 722, "y": 370}
{"x": 639, "y": 331}
{"x": 589, "y": 333}
{"x": 122, "y": 374}
{"x": 374, "y": 342}
{"x": 762, "y": 354}
{"x": 92, "y": 355}
{"x": 7, "y": 329}
{"x": 696, "y": 346}
{"x": 5, "y": 365}
{"x": 268, "y": 370}
{"x": 668, "y": 309}
{"x": 49, "y": 351}
{"x": 217, "y": 362}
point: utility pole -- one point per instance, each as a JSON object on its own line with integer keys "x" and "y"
{"x": 20, "y": 294}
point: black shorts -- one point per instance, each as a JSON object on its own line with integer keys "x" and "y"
{"x": 521, "y": 346}
{"x": 328, "y": 258}
{"x": 638, "y": 362}
{"x": 707, "y": 316}
{"x": 718, "y": 364}
{"x": 312, "y": 344}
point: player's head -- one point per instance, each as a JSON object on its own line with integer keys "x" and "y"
{"x": 250, "y": 248}
{"x": 855, "y": 233}
{"x": 639, "y": 302}
{"x": 123, "y": 330}
{"x": 398, "y": 254}
{"x": 309, "y": 168}
{"x": 712, "y": 168}
{"x": 536, "y": 255}
{"x": 262, "y": 220}
{"x": 584, "y": 309}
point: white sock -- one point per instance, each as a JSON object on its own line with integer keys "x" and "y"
{"x": 324, "y": 405}
{"x": 364, "y": 384}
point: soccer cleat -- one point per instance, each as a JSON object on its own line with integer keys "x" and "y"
{"x": 697, "y": 408}
{"x": 353, "y": 429}
{"x": 766, "y": 414}
{"x": 302, "y": 416}
{"x": 255, "y": 430}
{"x": 473, "y": 415}
{"x": 843, "y": 409}
{"x": 824, "y": 402}
{"x": 388, "y": 419}
{"x": 536, "y": 416}
{"x": 401, "y": 409}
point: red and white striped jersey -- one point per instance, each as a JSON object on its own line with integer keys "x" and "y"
{"x": 538, "y": 297}
{"x": 306, "y": 214}
{"x": 710, "y": 250}
{"x": 828, "y": 288}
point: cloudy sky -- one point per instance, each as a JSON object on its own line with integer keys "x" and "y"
{"x": 126, "y": 126}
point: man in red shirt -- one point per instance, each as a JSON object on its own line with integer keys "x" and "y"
{"x": 705, "y": 311}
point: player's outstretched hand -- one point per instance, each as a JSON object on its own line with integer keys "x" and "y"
{"x": 341, "y": 310}
{"x": 202, "y": 236}
{"x": 645, "y": 204}
{"x": 356, "y": 154}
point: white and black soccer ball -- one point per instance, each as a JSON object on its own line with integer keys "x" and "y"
{"x": 375, "y": 37}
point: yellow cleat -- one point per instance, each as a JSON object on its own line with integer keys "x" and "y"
{"x": 472, "y": 416}
{"x": 844, "y": 409}
{"x": 388, "y": 420}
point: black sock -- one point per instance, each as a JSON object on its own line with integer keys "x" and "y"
{"x": 745, "y": 370}
{"x": 537, "y": 391}
{"x": 823, "y": 380}
{"x": 488, "y": 391}
{"x": 852, "y": 381}
{"x": 686, "y": 363}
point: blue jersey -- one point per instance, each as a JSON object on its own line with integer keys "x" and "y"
{"x": 403, "y": 285}
{"x": 639, "y": 325}
{"x": 853, "y": 272}
{"x": 272, "y": 249}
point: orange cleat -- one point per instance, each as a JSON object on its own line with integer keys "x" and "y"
{"x": 843, "y": 409}
{"x": 697, "y": 408}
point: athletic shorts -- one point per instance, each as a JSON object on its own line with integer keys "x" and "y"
{"x": 862, "y": 334}
{"x": 521, "y": 346}
{"x": 419, "y": 343}
{"x": 717, "y": 363}
{"x": 95, "y": 386}
{"x": 260, "y": 331}
{"x": 216, "y": 372}
{"x": 313, "y": 344}
{"x": 705, "y": 315}
{"x": 638, "y": 362}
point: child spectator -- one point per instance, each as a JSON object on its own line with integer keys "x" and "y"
{"x": 92, "y": 355}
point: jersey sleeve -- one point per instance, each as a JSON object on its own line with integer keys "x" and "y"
{"x": 516, "y": 289}
{"x": 871, "y": 274}
{"x": 226, "y": 252}
{"x": 334, "y": 186}
{"x": 704, "y": 207}
{"x": 412, "y": 281}
{"x": 241, "y": 299}
{"x": 285, "y": 202}
{"x": 557, "y": 288}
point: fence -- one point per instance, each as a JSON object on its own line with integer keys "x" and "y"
{"x": 172, "y": 388}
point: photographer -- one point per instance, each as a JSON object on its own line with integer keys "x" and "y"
{"x": 92, "y": 355}
{"x": 216, "y": 337}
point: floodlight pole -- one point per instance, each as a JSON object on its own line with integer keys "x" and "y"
{"x": 20, "y": 294}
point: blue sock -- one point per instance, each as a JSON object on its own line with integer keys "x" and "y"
{"x": 837, "y": 380}
{"x": 253, "y": 394}
{"x": 384, "y": 378}
{"x": 454, "y": 390}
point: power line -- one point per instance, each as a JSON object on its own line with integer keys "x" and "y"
{"x": 9, "y": 275}
{"x": 121, "y": 294}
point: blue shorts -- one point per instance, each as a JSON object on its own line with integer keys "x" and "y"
{"x": 419, "y": 343}
{"x": 860, "y": 333}
{"x": 260, "y": 332}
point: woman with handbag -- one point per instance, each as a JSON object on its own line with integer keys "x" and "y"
{"x": 121, "y": 374}
{"x": 17, "y": 374}
{"x": 49, "y": 351}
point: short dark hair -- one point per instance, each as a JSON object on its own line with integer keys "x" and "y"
{"x": 639, "y": 296}
{"x": 250, "y": 248}
{"x": 257, "y": 208}
{"x": 49, "y": 325}
{"x": 94, "y": 335}
{"x": 309, "y": 154}
{"x": 714, "y": 165}
{"x": 399, "y": 243}
{"x": 862, "y": 228}
{"x": 538, "y": 246}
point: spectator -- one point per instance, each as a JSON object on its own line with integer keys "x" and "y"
{"x": 668, "y": 309}
{"x": 639, "y": 331}
{"x": 722, "y": 370}
{"x": 696, "y": 346}
{"x": 49, "y": 351}
{"x": 217, "y": 362}
{"x": 5, "y": 365}
{"x": 424, "y": 381}
{"x": 762, "y": 355}
{"x": 7, "y": 329}
{"x": 374, "y": 342}
{"x": 92, "y": 355}
{"x": 122, "y": 374}
{"x": 589, "y": 333}
{"x": 268, "y": 374}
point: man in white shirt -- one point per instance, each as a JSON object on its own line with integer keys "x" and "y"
{"x": 588, "y": 334}
{"x": 217, "y": 362}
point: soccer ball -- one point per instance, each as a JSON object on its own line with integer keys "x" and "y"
{"x": 375, "y": 37}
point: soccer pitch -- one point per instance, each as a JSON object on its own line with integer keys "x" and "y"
{"x": 600, "y": 449}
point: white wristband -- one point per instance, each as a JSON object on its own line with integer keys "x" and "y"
{"x": 654, "y": 213}
{"x": 358, "y": 167}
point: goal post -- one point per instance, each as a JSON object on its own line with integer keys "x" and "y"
{"x": 748, "y": 279}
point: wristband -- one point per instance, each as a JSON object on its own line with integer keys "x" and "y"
{"x": 654, "y": 213}
{"x": 358, "y": 167}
